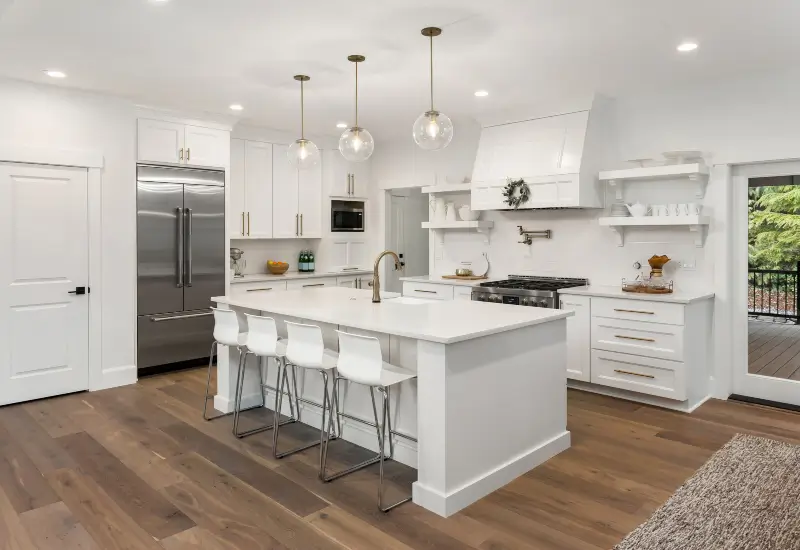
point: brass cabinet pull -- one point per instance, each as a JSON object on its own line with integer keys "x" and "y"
{"x": 634, "y": 373}
{"x": 425, "y": 291}
{"x": 301, "y": 224}
{"x": 189, "y": 154}
{"x": 257, "y": 289}
{"x": 297, "y": 225}
{"x": 635, "y": 311}
{"x": 634, "y": 338}
{"x": 180, "y": 153}
{"x": 248, "y": 224}
{"x": 242, "y": 224}
{"x": 317, "y": 284}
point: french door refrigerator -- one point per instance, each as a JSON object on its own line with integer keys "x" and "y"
{"x": 181, "y": 262}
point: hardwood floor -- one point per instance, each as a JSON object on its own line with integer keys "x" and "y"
{"x": 138, "y": 468}
{"x": 774, "y": 349}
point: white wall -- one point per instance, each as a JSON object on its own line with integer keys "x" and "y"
{"x": 49, "y": 117}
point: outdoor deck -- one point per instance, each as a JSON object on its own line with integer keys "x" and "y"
{"x": 774, "y": 349}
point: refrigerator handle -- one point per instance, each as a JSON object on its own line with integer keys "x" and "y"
{"x": 180, "y": 246}
{"x": 189, "y": 247}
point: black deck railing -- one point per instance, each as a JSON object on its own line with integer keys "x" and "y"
{"x": 774, "y": 293}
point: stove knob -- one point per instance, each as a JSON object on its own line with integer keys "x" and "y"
{"x": 496, "y": 298}
{"x": 482, "y": 297}
{"x": 541, "y": 304}
{"x": 524, "y": 302}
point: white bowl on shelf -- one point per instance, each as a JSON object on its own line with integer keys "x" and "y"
{"x": 468, "y": 215}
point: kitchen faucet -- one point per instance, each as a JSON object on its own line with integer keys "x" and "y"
{"x": 376, "y": 278}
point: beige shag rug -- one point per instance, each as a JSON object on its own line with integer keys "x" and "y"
{"x": 746, "y": 497}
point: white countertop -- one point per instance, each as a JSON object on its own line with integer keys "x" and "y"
{"x": 601, "y": 291}
{"x": 445, "y": 322}
{"x": 260, "y": 277}
{"x": 437, "y": 279}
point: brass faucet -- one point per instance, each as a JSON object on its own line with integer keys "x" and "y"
{"x": 376, "y": 278}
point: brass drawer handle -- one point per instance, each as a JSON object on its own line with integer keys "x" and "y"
{"x": 257, "y": 289}
{"x": 635, "y": 311}
{"x": 634, "y": 373}
{"x": 634, "y": 338}
{"x": 426, "y": 291}
{"x": 242, "y": 223}
{"x": 318, "y": 284}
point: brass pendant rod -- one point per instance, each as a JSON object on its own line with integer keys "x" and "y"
{"x": 431, "y": 72}
{"x": 356, "y": 64}
{"x": 302, "y": 113}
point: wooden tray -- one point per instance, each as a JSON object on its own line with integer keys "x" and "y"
{"x": 465, "y": 277}
{"x": 647, "y": 290}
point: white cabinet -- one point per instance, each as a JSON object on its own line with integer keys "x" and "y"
{"x": 462, "y": 293}
{"x": 296, "y": 198}
{"x": 429, "y": 291}
{"x": 257, "y": 287}
{"x": 174, "y": 143}
{"x": 343, "y": 178}
{"x": 578, "y": 337}
{"x": 250, "y": 202}
{"x": 348, "y": 255}
{"x": 355, "y": 281}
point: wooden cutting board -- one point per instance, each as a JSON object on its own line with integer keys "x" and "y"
{"x": 465, "y": 277}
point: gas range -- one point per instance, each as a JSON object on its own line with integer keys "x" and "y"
{"x": 525, "y": 290}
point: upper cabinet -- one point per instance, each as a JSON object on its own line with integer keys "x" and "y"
{"x": 344, "y": 178}
{"x": 296, "y": 198}
{"x": 250, "y": 201}
{"x": 558, "y": 156}
{"x": 174, "y": 143}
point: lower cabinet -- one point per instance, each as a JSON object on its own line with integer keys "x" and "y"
{"x": 355, "y": 281}
{"x": 257, "y": 287}
{"x": 297, "y": 284}
{"x": 579, "y": 337}
{"x": 429, "y": 291}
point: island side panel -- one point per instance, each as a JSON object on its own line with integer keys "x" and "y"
{"x": 491, "y": 409}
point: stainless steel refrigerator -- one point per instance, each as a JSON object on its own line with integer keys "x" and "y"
{"x": 181, "y": 263}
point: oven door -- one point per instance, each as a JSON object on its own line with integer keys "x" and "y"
{"x": 347, "y": 218}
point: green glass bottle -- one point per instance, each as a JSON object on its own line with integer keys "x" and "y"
{"x": 312, "y": 265}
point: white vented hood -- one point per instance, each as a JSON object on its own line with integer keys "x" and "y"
{"x": 559, "y": 157}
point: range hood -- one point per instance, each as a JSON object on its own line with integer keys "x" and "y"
{"x": 558, "y": 156}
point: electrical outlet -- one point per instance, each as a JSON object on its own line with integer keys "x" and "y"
{"x": 688, "y": 265}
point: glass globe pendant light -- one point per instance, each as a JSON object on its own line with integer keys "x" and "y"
{"x": 356, "y": 144}
{"x": 303, "y": 153}
{"x": 432, "y": 130}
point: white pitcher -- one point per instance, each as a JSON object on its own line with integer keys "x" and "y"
{"x": 450, "y": 209}
{"x": 438, "y": 208}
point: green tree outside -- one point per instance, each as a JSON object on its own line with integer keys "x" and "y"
{"x": 774, "y": 227}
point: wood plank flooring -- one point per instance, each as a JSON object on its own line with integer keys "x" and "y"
{"x": 137, "y": 468}
{"x": 774, "y": 349}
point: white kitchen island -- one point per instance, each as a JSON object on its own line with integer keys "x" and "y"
{"x": 489, "y": 403}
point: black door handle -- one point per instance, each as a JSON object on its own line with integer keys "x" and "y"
{"x": 78, "y": 290}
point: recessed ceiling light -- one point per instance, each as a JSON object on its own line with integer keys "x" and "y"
{"x": 236, "y": 107}
{"x": 341, "y": 125}
{"x": 687, "y": 47}
{"x": 52, "y": 73}
{"x": 481, "y": 93}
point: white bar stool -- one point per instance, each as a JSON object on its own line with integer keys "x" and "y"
{"x": 361, "y": 361}
{"x": 306, "y": 349}
{"x": 260, "y": 340}
{"x": 227, "y": 332}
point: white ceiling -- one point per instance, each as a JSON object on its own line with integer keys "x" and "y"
{"x": 203, "y": 55}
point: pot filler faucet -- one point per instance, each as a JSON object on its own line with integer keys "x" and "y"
{"x": 376, "y": 278}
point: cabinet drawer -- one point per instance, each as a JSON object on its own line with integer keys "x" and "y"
{"x": 257, "y": 287}
{"x": 638, "y": 310}
{"x": 462, "y": 293}
{"x": 428, "y": 291}
{"x": 310, "y": 283}
{"x": 639, "y": 374}
{"x": 648, "y": 339}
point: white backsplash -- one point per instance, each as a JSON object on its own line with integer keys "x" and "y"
{"x": 258, "y": 252}
{"x": 580, "y": 247}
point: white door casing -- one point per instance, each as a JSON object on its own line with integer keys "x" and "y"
{"x": 44, "y": 330}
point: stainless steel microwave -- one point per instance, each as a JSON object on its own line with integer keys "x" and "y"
{"x": 347, "y": 216}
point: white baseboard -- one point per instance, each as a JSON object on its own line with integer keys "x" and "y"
{"x": 448, "y": 504}
{"x": 682, "y": 406}
{"x": 116, "y": 377}
{"x": 225, "y": 405}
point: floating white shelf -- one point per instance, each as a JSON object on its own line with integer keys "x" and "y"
{"x": 458, "y": 225}
{"x": 697, "y": 172}
{"x": 448, "y": 188}
{"x": 695, "y": 224}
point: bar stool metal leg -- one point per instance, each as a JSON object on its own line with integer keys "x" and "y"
{"x": 208, "y": 385}
{"x": 237, "y": 407}
{"x": 382, "y": 444}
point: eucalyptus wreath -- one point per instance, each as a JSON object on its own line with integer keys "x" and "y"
{"x": 516, "y": 192}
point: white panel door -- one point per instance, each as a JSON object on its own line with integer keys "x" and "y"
{"x": 310, "y": 202}
{"x": 360, "y": 177}
{"x": 236, "y": 201}
{"x": 285, "y": 217}
{"x": 160, "y": 141}
{"x": 338, "y": 182}
{"x": 207, "y": 147}
{"x": 44, "y": 330}
{"x": 579, "y": 340}
{"x": 258, "y": 185}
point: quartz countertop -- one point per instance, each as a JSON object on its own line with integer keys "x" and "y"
{"x": 260, "y": 277}
{"x": 437, "y": 280}
{"x": 445, "y": 322}
{"x": 602, "y": 291}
